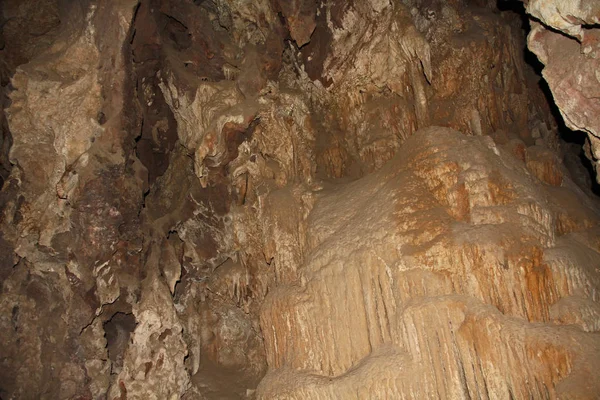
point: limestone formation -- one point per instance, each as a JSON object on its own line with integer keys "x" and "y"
{"x": 225, "y": 199}
{"x": 566, "y": 39}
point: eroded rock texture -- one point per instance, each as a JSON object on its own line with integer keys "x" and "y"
{"x": 290, "y": 199}
{"x": 566, "y": 39}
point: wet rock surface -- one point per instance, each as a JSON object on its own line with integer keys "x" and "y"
{"x": 293, "y": 199}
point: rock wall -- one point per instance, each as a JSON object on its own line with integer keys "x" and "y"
{"x": 566, "y": 39}
{"x": 287, "y": 199}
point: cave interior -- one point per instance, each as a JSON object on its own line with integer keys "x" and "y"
{"x": 299, "y": 199}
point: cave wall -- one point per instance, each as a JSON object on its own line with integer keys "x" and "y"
{"x": 288, "y": 199}
{"x": 565, "y": 38}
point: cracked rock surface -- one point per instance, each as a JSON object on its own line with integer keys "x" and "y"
{"x": 565, "y": 37}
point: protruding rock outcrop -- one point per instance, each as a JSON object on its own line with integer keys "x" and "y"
{"x": 566, "y": 39}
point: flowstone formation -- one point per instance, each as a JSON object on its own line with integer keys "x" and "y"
{"x": 291, "y": 200}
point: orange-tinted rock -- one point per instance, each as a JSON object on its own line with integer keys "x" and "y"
{"x": 428, "y": 286}
{"x": 234, "y": 199}
{"x": 544, "y": 164}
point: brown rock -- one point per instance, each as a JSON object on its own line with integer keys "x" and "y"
{"x": 420, "y": 291}
{"x": 272, "y": 199}
{"x": 544, "y": 164}
{"x": 300, "y": 16}
{"x": 570, "y": 59}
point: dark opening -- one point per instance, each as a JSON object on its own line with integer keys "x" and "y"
{"x": 117, "y": 333}
{"x": 565, "y": 134}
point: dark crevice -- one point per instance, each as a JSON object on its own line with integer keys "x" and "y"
{"x": 177, "y": 23}
{"x": 133, "y": 19}
{"x": 158, "y": 128}
{"x": 589, "y": 167}
{"x": 177, "y": 32}
{"x": 517, "y": 8}
{"x": 143, "y": 205}
{"x": 118, "y": 330}
{"x": 5, "y": 87}
{"x": 590, "y": 26}
{"x": 566, "y": 135}
{"x": 5, "y": 145}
